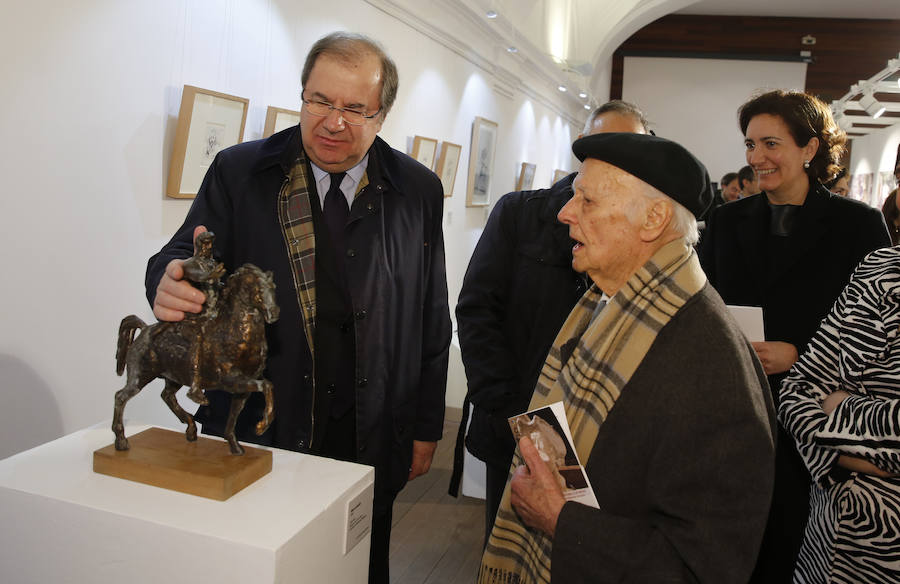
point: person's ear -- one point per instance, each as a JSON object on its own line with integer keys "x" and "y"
{"x": 809, "y": 151}
{"x": 657, "y": 219}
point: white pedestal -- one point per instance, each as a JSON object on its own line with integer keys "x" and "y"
{"x": 61, "y": 522}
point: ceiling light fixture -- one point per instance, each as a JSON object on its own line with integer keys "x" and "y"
{"x": 872, "y": 106}
{"x": 491, "y": 14}
{"x": 582, "y": 95}
{"x": 512, "y": 49}
{"x": 843, "y": 121}
{"x": 587, "y": 106}
{"x": 562, "y": 88}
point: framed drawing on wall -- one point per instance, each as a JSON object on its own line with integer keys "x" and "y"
{"x": 208, "y": 121}
{"x": 423, "y": 150}
{"x": 278, "y": 119}
{"x": 861, "y": 187}
{"x": 481, "y": 162}
{"x": 447, "y": 164}
{"x": 559, "y": 174}
{"x": 526, "y": 177}
{"x": 886, "y": 184}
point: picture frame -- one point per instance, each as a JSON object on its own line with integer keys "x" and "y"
{"x": 423, "y": 150}
{"x": 481, "y": 162}
{"x": 559, "y": 174}
{"x": 278, "y": 119}
{"x": 447, "y": 164}
{"x": 861, "y": 187}
{"x": 526, "y": 177}
{"x": 886, "y": 184}
{"x": 208, "y": 121}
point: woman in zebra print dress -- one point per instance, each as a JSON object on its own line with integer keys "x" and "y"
{"x": 841, "y": 403}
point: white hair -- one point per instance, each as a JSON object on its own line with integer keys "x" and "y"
{"x": 683, "y": 221}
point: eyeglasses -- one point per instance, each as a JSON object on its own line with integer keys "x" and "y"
{"x": 351, "y": 117}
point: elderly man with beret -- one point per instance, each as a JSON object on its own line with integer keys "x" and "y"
{"x": 668, "y": 406}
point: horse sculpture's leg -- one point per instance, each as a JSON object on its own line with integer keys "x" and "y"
{"x": 168, "y": 396}
{"x": 269, "y": 412}
{"x": 237, "y": 404}
{"x": 131, "y": 389}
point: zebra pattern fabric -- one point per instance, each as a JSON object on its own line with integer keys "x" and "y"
{"x": 853, "y": 534}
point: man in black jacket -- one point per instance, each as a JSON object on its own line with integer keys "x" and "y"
{"x": 518, "y": 290}
{"x": 352, "y": 231}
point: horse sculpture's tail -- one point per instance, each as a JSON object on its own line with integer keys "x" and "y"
{"x": 126, "y": 337}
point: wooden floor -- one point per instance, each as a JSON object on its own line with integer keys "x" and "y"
{"x": 435, "y": 538}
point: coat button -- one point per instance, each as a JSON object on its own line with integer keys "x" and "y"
{"x": 351, "y": 253}
{"x": 371, "y": 207}
{"x": 330, "y": 389}
{"x": 301, "y": 444}
{"x": 362, "y": 381}
{"x": 361, "y": 315}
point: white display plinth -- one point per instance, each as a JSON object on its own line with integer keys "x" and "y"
{"x": 64, "y": 523}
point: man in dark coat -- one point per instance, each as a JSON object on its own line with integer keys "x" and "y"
{"x": 352, "y": 231}
{"x": 518, "y": 290}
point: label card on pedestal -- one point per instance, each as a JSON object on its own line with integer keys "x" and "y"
{"x": 358, "y": 516}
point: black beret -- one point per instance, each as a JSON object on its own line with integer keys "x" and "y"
{"x": 660, "y": 163}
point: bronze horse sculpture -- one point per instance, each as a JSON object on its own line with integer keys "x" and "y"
{"x": 221, "y": 349}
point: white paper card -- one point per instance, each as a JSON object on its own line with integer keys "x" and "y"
{"x": 358, "y": 514}
{"x": 549, "y": 429}
{"x": 750, "y": 319}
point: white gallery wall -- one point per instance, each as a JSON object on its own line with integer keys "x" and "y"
{"x": 695, "y": 101}
{"x": 88, "y": 112}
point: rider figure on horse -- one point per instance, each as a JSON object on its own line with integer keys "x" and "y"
{"x": 205, "y": 273}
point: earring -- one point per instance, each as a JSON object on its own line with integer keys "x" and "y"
{"x": 806, "y": 164}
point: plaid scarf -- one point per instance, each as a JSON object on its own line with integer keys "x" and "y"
{"x": 296, "y": 220}
{"x": 592, "y": 359}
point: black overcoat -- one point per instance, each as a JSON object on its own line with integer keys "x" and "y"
{"x": 796, "y": 288}
{"x": 517, "y": 292}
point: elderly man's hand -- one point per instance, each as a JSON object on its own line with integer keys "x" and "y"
{"x": 536, "y": 495}
{"x": 776, "y": 356}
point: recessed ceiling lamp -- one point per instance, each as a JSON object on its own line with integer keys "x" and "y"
{"x": 491, "y": 14}
{"x": 562, "y": 88}
{"x": 872, "y": 106}
{"x": 582, "y": 95}
{"x": 587, "y": 106}
{"x": 512, "y": 49}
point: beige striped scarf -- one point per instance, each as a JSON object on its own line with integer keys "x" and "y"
{"x": 594, "y": 355}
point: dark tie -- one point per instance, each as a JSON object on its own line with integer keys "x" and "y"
{"x": 336, "y": 211}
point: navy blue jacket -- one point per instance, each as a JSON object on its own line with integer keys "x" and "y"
{"x": 396, "y": 278}
{"x": 518, "y": 290}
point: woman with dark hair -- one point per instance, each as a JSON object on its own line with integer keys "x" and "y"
{"x": 790, "y": 251}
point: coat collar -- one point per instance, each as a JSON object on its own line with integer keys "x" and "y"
{"x": 811, "y": 226}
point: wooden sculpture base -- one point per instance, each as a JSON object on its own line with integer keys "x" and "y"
{"x": 164, "y": 458}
